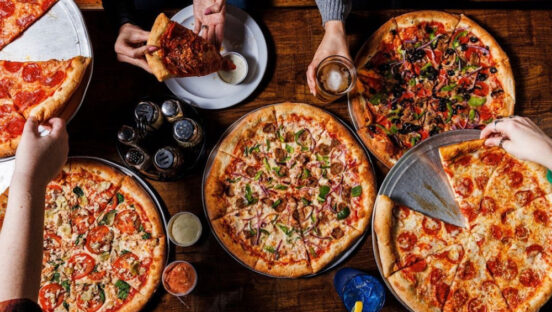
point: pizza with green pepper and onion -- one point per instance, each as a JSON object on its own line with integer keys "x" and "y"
{"x": 104, "y": 245}
{"x": 289, "y": 190}
{"x": 427, "y": 72}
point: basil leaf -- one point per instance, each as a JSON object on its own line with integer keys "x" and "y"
{"x": 289, "y": 149}
{"x": 66, "y": 305}
{"x": 120, "y": 198}
{"x": 356, "y": 191}
{"x": 471, "y": 115}
{"x": 146, "y": 235}
{"x": 78, "y": 191}
{"x": 343, "y": 214}
{"x": 66, "y": 285}
{"x": 102, "y": 293}
{"x": 124, "y": 289}
{"x": 108, "y": 218}
{"x": 55, "y": 277}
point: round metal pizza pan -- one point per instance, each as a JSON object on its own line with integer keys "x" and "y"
{"x": 336, "y": 262}
{"x": 391, "y": 186}
{"x": 242, "y": 35}
{"x": 60, "y": 34}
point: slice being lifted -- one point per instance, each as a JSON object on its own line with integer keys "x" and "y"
{"x": 182, "y": 53}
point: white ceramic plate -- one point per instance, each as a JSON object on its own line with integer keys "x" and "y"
{"x": 243, "y": 35}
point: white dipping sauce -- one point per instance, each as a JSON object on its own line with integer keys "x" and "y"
{"x": 238, "y": 74}
{"x": 185, "y": 229}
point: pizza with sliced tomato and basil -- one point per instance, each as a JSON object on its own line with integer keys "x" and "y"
{"x": 289, "y": 190}
{"x": 427, "y": 72}
{"x": 104, "y": 244}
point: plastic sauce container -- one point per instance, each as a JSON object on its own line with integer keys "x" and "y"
{"x": 237, "y": 75}
{"x": 179, "y": 278}
{"x": 185, "y": 229}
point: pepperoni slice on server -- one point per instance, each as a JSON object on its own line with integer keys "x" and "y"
{"x": 431, "y": 226}
{"x": 51, "y": 296}
{"x": 54, "y": 79}
{"x": 31, "y": 72}
{"x": 407, "y": 240}
{"x": 26, "y": 99}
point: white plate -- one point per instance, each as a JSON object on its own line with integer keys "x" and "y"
{"x": 242, "y": 35}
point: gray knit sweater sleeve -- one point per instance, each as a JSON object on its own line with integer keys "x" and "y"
{"x": 334, "y": 9}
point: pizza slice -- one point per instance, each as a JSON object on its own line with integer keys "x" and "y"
{"x": 11, "y": 127}
{"x": 474, "y": 289}
{"x": 468, "y": 166}
{"x": 284, "y": 252}
{"x": 181, "y": 53}
{"x": 17, "y": 16}
{"x": 42, "y": 89}
{"x": 244, "y": 232}
{"x": 425, "y": 284}
{"x": 3, "y": 206}
{"x": 406, "y": 236}
{"x": 325, "y": 232}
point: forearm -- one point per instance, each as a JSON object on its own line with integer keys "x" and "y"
{"x": 21, "y": 240}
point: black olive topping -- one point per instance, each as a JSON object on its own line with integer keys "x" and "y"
{"x": 481, "y": 77}
{"x": 474, "y": 39}
{"x": 449, "y": 51}
{"x": 450, "y": 72}
{"x": 464, "y": 47}
{"x": 493, "y": 70}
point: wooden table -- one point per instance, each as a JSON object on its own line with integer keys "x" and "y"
{"x": 293, "y": 36}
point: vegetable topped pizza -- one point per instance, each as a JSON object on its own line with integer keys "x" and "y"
{"x": 104, "y": 243}
{"x": 502, "y": 261}
{"x": 426, "y": 72}
{"x": 289, "y": 189}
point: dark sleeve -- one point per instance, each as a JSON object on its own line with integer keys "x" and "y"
{"x": 19, "y": 305}
{"x": 119, "y": 12}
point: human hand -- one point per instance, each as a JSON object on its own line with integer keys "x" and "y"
{"x": 131, "y": 47}
{"x": 333, "y": 43}
{"x": 521, "y": 137}
{"x": 40, "y": 158}
{"x": 209, "y": 20}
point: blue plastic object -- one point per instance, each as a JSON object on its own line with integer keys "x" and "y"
{"x": 353, "y": 285}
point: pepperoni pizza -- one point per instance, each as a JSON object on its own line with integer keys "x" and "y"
{"x": 104, "y": 244}
{"x": 506, "y": 258}
{"x": 426, "y": 72}
{"x": 39, "y": 89}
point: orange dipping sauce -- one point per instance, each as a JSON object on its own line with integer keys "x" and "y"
{"x": 179, "y": 278}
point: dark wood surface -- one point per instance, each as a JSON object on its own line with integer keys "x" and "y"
{"x": 293, "y": 36}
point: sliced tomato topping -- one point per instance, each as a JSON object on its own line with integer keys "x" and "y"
{"x": 126, "y": 266}
{"x": 93, "y": 304}
{"x": 127, "y": 222}
{"x": 99, "y": 240}
{"x": 51, "y": 296}
{"x": 82, "y": 265}
{"x": 81, "y": 219}
{"x": 481, "y": 89}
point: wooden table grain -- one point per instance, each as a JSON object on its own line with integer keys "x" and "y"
{"x": 293, "y": 36}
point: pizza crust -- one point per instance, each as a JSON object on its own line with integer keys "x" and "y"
{"x": 450, "y": 152}
{"x": 381, "y": 148}
{"x": 288, "y": 270}
{"x": 383, "y": 226}
{"x": 235, "y": 248}
{"x": 53, "y": 105}
{"x": 371, "y": 46}
{"x": 9, "y": 147}
{"x": 413, "y": 18}
{"x": 216, "y": 207}
{"x": 407, "y": 293}
{"x": 103, "y": 171}
{"x": 361, "y": 113}
{"x": 335, "y": 249}
{"x": 154, "y": 59}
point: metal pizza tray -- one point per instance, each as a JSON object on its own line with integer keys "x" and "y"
{"x": 60, "y": 34}
{"x": 418, "y": 168}
{"x": 344, "y": 255}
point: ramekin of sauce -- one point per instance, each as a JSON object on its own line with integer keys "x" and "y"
{"x": 179, "y": 278}
{"x": 239, "y": 71}
{"x": 184, "y": 229}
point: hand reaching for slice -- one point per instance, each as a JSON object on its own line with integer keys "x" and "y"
{"x": 210, "y": 16}
{"x": 521, "y": 137}
{"x": 131, "y": 47}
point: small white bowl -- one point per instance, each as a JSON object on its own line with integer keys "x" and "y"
{"x": 171, "y": 221}
{"x": 244, "y": 70}
{"x": 170, "y": 265}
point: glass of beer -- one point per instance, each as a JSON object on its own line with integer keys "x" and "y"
{"x": 335, "y": 76}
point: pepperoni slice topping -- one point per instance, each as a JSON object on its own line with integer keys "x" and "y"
{"x": 53, "y": 80}
{"x": 476, "y": 305}
{"x": 522, "y": 232}
{"x": 488, "y": 205}
{"x": 509, "y": 270}
{"x": 481, "y": 182}
{"x": 454, "y": 255}
{"x": 82, "y": 265}
{"x": 436, "y": 276}
{"x": 464, "y": 160}
{"x": 459, "y": 297}
{"x": 5, "y": 85}
{"x": 516, "y": 179}
{"x": 51, "y": 296}
{"x": 403, "y": 212}
{"x": 464, "y": 187}
{"x": 523, "y": 197}
{"x": 491, "y": 158}
{"x": 407, "y": 240}
{"x": 31, "y": 72}
{"x": 26, "y": 99}
{"x": 127, "y": 222}
{"x": 504, "y": 215}
{"x": 496, "y": 232}
{"x": 441, "y": 292}
{"x": 6, "y": 8}
{"x": 529, "y": 278}
{"x": 534, "y": 249}
{"x": 15, "y": 126}
{"x": 541, "y": 216}
{"x": 419, "y": 266}
{"x": 467, "y": 271}
{"x": 126, "y": 266}
{"x": 12, "y": 66}
{"x": 431, "y": 226}
{"x": 512, "y": 296}
{"x": 99, "y": 240}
